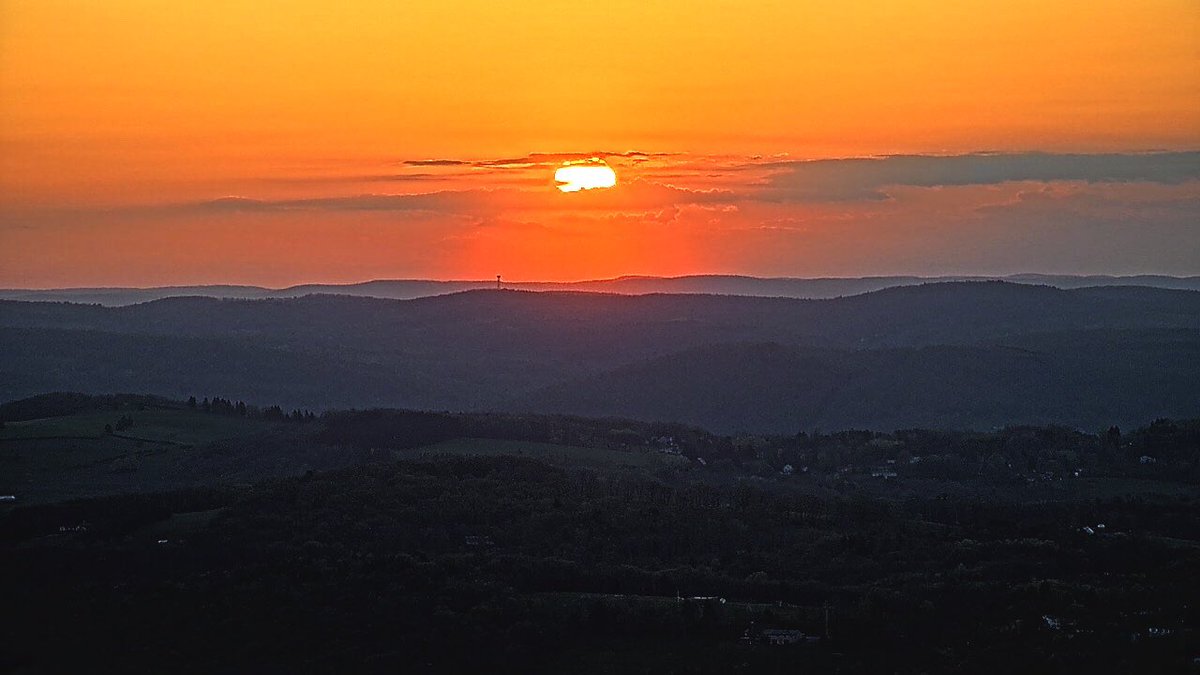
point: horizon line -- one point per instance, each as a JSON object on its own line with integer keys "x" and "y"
{"x": 600, "y": 280}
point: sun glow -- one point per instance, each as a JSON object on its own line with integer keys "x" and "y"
{"x": 584, "y": 175}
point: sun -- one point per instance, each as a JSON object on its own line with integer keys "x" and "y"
{"x": 584, "y": 174}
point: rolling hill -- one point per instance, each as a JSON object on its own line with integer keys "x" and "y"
{"x": 964, "y": 354}
{"x": 1081, "y": 379}
{"x": 709, "y": 284}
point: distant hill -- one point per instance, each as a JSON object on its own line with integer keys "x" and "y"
{"x": 963, "y": 354}
{"x": 580, "y": 325}
{"x": 1081, "y": 379}
{"x": 116, "y": 297}
{"x": 711, "y": 284}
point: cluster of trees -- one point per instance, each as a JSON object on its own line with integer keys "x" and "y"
{"x": 1012, "y": 453}
{"x": 224, "y": 406}
{"x": 123, "y": 424}
{"x": 1017, "y": 452}
{"x": 1175, "y": 441}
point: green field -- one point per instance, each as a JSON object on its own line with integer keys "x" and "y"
{"x": 65, "y": 457}
{"x": 560, "y": 455}
{"x": 180, "y": 524}
{"x": 167, "y": 427}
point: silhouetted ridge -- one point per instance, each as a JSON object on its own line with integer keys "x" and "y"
{"x": 495, "y": 349}
{"x": 711, "y": 284}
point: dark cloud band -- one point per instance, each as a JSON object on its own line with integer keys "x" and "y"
{"x": 866, "y": 178}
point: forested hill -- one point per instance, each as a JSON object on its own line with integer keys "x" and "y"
{"x": 1076, "y": 378}
{"x": 969, "y": 354}
{"x": 567, "y": 322}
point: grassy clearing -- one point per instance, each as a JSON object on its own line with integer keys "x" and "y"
{"x": 184, "y": 427}
{"x": 56, "y": 458}
{"x": 181, "y": 524}
{"x": 562, "y": 455}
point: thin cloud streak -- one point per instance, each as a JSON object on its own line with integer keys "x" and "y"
{"x": 866, "y": 178}
{"x": 658, "y": 182}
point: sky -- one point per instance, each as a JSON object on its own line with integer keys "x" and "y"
{"x": 149, "y": 143}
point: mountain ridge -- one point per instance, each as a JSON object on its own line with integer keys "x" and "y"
{"x": 725, "y": 284}
{"x": 531, "y": 351}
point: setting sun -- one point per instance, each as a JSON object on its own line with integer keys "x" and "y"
{"x": 703, "y": 336}
{"x": 574, "y": 176}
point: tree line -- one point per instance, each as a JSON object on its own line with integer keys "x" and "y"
{"x": 224, "y": 406}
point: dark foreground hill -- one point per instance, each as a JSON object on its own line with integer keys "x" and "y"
{"x": 243, "y": 540}
{"x": 972, "y": 355}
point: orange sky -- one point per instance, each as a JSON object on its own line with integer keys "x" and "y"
{"x": 109, "y": 108}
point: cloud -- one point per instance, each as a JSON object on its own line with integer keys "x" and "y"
{"x": 633, "y": 195}
{"x": 444, "y": 201}
{"x": 867, "y": 178}
{"x": 639, "y": 195}
{"x": 360, "y": 178}
{"x": 764, "y": 189}
{"x": 436, "y": 162}
{"x": 544, "y": 159}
